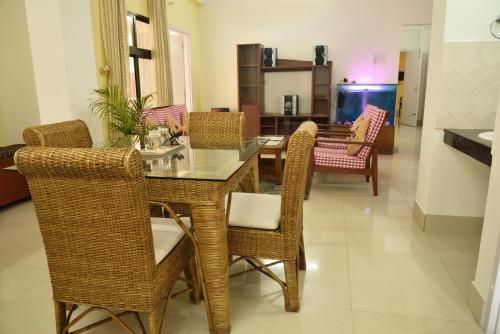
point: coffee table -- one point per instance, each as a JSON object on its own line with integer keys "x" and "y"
{"x": 276, "y": 147}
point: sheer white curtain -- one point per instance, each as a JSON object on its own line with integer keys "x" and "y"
{"x": 161, "y": 52}
{"x": 116, "y": 50}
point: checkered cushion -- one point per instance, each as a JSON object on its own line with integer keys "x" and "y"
{"x": 336, "y": 158}
{"x": 376, "y": 117}
{"x": 338, "y": 146}
{"x": 159, "y": 116}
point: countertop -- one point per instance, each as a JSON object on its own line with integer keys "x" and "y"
{"x": 468, "y": 142}
{"x": 472, "y": 134}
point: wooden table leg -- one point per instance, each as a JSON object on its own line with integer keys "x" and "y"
{"x": 277, "y": 168}
{"x": 211, "y": 234}
{"x": 255, "y": 176}
{"x": 250, "y": 183}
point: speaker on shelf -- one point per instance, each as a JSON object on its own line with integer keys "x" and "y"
{"x": 289, "y": 104}
{"x": 321, "y": 55}
{"x": 270, "y": 57}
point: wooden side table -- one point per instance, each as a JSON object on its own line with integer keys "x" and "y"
{"x": 276, "y": 148}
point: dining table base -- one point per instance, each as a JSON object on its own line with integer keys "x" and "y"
{"x": 205, "y": 202}
{"x": 211, "y": 236}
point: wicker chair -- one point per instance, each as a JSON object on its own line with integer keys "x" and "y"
{"x": 213, "y": 128}
{"x": 103, "y": 250}
{"x": 222, "y": 130}
{"x": 64, "y": 134}
{"x": 330, "y": 154}
{"x": 270, "y": 226}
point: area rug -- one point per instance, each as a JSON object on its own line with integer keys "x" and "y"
{"x": 268, "y": 187}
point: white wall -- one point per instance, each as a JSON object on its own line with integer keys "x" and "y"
{"x": 47, "y": 52}
{"x": 433, "y": 99}
{"x": 18, "y": 100}
{"x": 491, "y": 226}
{"x": 450, "y": 183}
{"x": 78, "y": 44}
{"x": 49, "y": 73}
{"x": 363, "y": 37}
{"x": 469, "y": 20}
{"x": 444, "y": 172}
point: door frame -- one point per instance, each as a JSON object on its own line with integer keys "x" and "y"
{"x": 417, "y": 87}
{"x": 422, "y": 77}
{"x": 186, "y": 41}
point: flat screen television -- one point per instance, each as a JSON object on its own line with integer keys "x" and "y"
{"x": 353, "y": 98}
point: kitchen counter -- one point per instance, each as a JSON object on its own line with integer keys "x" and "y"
{"x": 468, "y": 142}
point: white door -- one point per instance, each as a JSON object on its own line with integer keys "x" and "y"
{"x": 413, "y": 72}
{"x": 180, "y": 64}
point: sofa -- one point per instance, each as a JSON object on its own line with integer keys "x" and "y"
{"x": 13, "y": 186}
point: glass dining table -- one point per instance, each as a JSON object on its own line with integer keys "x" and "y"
{"x": 198, "y": 176}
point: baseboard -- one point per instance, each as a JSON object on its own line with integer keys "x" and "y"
{"x": 445, "y": 222}
{"x": 476, "y": 302}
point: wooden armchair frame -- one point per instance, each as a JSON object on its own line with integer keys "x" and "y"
{"x": 371, "y": 162}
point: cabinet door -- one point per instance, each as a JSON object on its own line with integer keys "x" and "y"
{"x": 252, "y": 119}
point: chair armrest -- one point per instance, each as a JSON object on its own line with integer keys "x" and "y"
{"x": 176, "y": 218}
{"x": 334, "y": 133}
{"x": 363, "y": 143}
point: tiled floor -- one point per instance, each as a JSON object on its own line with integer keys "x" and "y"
{"x": 370, "y": 269}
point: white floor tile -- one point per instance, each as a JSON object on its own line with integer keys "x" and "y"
{"x": 387, "y": 241}
{"x": 370, "y": 269}
{"x": 15, "y": 280}
{"x": 376, "y": 323}
{"x": 405, "y": 286}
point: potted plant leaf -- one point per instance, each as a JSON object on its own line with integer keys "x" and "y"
{"x": 124, "y": 115}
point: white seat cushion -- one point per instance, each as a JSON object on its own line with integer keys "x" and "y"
{"x": 166, "y": 235}
{"x": 260, "y": 211}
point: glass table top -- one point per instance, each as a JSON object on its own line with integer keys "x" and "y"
{"x": 216, "y": 161}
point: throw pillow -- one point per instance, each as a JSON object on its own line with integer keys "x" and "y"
{"x": 358, "y": 129}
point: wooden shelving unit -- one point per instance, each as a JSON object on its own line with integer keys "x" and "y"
{"x": 251, "y": 92}
{"x": 250, "y": 86}
{"x": 277, "y": 124}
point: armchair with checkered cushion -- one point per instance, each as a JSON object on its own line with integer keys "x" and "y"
{"x": 330, "y": 151}
{"x": 159, "y": 115}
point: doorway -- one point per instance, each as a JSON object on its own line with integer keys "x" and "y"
{"x": 180, "y": 63}
{"x": 412, "y": 80}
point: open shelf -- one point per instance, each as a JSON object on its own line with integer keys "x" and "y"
{"x": 290, "y": 65}
{"x": 287, "y": 69}
{"x": 251, "y": 73}
{"x": 293, "y": 116}
{"x": 278, "y": 124}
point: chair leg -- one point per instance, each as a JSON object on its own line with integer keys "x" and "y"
{"x": 302, "y": 253}
{"x": 310, "y": 173}
{"x": 292, "y": 303}
{"x": 153, "y": 322}
{"x": 60, "y": 311}
{"x": 193, "y": 280}
{"x": 375, "y": 171}
{"x": 367, "y": 166}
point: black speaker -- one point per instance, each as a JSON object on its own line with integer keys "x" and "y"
{"x": 320, "y": 55}
{"x": 270, "y": 56}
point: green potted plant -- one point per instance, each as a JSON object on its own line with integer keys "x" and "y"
{"x": 125, "y": 116}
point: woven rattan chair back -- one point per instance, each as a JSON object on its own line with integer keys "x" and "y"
{"x": 93, "y": 213}
{"x": 65, "y": 134}
{"x": 294, "y": 184}
{"x": 212, "y": 128}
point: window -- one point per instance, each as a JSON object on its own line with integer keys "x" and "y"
{"x": 142, "y": 73}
